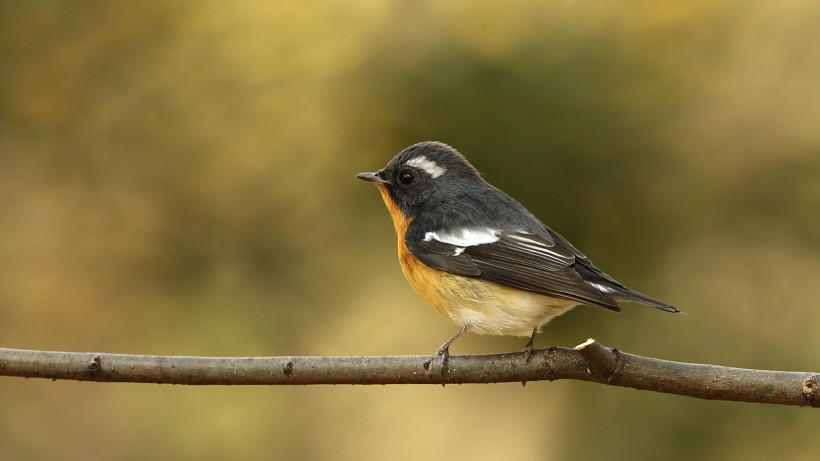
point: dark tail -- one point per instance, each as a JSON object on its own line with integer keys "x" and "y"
{"x": 628, "y": 295}
{"x": 615, "y": 289}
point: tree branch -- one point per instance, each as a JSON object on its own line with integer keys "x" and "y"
{"x": 589, "y": 361}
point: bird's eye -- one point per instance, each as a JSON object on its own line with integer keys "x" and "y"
{"x": 406, "y": 178}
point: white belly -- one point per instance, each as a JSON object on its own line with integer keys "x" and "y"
{"x": 510, "y": 312}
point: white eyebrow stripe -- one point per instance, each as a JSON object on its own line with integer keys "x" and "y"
{"x": 428, "y": 166}
{"x": 465, "y": 237}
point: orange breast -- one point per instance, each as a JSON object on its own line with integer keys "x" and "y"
{"x": 431, "y": 284}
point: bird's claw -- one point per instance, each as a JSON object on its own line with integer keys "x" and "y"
{"x": 444, "y": 353}
{"x": 527, "y": 352}
{"x": 528, "y": 348}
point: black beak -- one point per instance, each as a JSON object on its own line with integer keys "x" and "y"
{"x": 371, "y": 177}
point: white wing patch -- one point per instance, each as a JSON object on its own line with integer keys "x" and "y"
{"x": 428, "y": 166}
{"x": 465, "y": 237}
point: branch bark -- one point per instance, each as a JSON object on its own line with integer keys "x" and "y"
{"x": 589, "y": 361}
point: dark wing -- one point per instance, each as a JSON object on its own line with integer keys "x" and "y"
{"x": 520, "y": 260}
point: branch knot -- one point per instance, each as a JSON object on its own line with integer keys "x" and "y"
{"x": 601, "y": 361}
{"x": 810, "y": 388}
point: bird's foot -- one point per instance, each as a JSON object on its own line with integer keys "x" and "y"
{"x": 442, "y": 355}
{"x": 444, "y": 352}
{"x": 527, "y": 352}
{"x": 528, "y": 348}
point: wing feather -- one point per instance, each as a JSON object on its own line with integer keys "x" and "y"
{"x": 526, "y": 261}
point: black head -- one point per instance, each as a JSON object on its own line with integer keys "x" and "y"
{"x": 420, "y": 170}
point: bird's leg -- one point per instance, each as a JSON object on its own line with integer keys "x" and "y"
{"x": 444, "y": 350}
{"x": 528, "y": 348}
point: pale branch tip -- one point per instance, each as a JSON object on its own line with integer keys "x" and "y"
{"x": 601, "y": 360}
{"x": 589, "y": 361}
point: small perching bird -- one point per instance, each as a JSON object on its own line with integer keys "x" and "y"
{"x": 478, "y": 256}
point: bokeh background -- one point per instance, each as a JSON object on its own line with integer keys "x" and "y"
{"x": 178, "y": 178}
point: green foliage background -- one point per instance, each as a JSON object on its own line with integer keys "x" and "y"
{"x": 178, "y": 178}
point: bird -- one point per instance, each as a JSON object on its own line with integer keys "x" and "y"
{"x": 478, "y": 256}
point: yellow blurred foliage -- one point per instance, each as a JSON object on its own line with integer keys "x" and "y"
{"x": 178, "y": 178}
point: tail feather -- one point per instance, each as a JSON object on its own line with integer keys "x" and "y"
{"x": 614, "y": 289}
{"x": 628, "y": 295}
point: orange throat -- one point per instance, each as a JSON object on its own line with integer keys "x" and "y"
{"x": 400, "y": 222}
{"x": 409, "y": 263}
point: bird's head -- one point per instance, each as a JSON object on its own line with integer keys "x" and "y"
{"x": 421, "y": 171}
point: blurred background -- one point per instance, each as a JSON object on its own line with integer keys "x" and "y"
{"x": 177, "y": 178}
